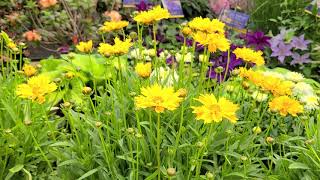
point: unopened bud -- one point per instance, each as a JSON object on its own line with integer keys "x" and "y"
{"x": 86, "y": 90}
{"x": 171, "y": 171}
{"x": 98, "y": 124}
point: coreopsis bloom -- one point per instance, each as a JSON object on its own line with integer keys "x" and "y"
{"x": 113, "y": 15}
{"x": 155, "y": 14}
{"x": 110, "y": 26}
{"x": 208, "y": 26}
{"x": 186, "y": 31}
{"x": 213, "y": 110}
{"x": 249, "y": 55}
{"x": 85, "y": 47}
{"x": 214, "y": 42}
{"x": 119, "y": 47}
{"x": 143, "y": 69}
{"x": 29, "y": 70}
{"x": 12, "y": 45}
{"x": 47, "y": 3}
{"x": 158, "y": 98}
{"x": 36, "y": 88}
{"x": 32, "y": 36}
{"x": 285, "y": 105}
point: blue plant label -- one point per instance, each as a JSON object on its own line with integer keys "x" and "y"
{"x": 133, "y": 3}
{"x": 314, "y": 8}
{"x": 174, "y": 7}
{"x": 235, "y": 19}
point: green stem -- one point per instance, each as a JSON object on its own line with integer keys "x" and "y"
{"x": 158, "y": 145}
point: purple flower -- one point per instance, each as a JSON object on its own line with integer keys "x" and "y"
{"x": 64, "y": 49}
{"x": 143, "y": 6}
{"x": 258, "y": 40}
{"x": 170, "y": 60}
{"x": 300, "y": 42}
{"x": 281, "y": 51}
{"x": 297, "y": 59}
{"x": 189, "y": 43}
{"x": 275, "y": 41}
{"x": 222, "y": 61}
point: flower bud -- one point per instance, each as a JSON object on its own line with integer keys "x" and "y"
{"x": 8, "y": 131}
{"x": 209, "y": 175}
{"x": 69, "y": 75}
{"x": 182, "y": 92}
{"x": 66, "y": 104}
{"x": 243, "y": 158}
{"x": 269, "y": 140}
{"x": 138, "y": 135}
{"x": 57, "y": 80}
{"x": 171, "y": 171}
{"x": 219, "y": 69}
{"x": 199, "y": 144}
{"x": 133, "y": 35}
{"x": 256, "y": 130}
{"x": 130, "y": 130}
{"x": 27, "y": 122}
{"x": 309, "y": 142}
{"x": 186, "y": 31}
{"x": 86, "y": 90}
{"x": 245, "y": 85}
{"x": 98, "y": 124}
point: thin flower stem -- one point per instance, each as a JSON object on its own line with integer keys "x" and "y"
{"x": 227, "y": 67}
{"x": 158, "y": 145}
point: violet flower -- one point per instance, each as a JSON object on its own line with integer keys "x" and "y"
{"x": 258, "y": 40}
{"x": 281, "y": 51}
{"x": 222, "y": 61}
{"x": 64, "y": 49}
{"x": 143, "y": 6}
{"x": 300, "y": 59}
{"x": 189, "y": 43}
{"x": 300, "y": 42}
{"x": 171, "y": 60}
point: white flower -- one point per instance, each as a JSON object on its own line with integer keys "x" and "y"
{"x": 302, "y": 89}
{"x": 294, "y": 76}
{"x": 273, "y": 74}
{"x": 135, "y": 53}
{"x": 259, "y": 96}
{"x": 166, "y": 75}
{"x": 164, "y": 54}
{"x": 187, "y": 57}
{"x": 311, "y": 102}
{"x": 230, "y": 88}
{"x": 149, "y": 52}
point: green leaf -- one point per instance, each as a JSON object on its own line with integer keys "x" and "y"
{"x": 16, "y": 168}
{"x": 89, "y": 173}
{"x": 297, "y": 165}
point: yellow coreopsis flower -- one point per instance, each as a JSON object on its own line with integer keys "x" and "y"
{"x": 85, "y": 47}
{"x": 206, "y": 25}
{"x": 36, "y": 88}
{"x": 119, "y": 47}
{"x": 186, "y": 31}
{"x": 214, "y": 42}
{"x": 158, "y": 98}
{"x": 213, "y": 110}
{"x": 29, "y": 70}
{"x": 143, "y": 69}
{"x": 109, "y": 26}
{"x": 285, "y": 105}
{"x": 155, "y": 14}
{"x": 250, "y": 55}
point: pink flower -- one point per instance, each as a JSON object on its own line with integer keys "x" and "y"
{"x": 218, "y": 5}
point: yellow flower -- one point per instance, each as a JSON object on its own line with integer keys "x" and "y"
{"x": 119, "y": 47}
{"x": 186, "y": 31}
{"x": 36, "y": 88}
{"x": 158, "y": 98}
{"x": 213, "y": 110}
{"x": 250, "y": 55}
{"x": 143, "y": 70}
{"x": 213, "y": 41}
{"x": 206, "y": 25}
{"x": 113, "y": 26}
{"x": 12, "y": 45}
{"x": 85, "y": 47}
{"x": 285, "y": 105}
{"x": 29, "y": 70}
{"x": 151, "y": 16}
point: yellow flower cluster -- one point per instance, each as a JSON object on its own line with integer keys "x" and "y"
{"x": 36, "y": 88}
{"x": 152, "y": 16}
{"x": 29, "y": 70}
{"x": 109, "y": 26}
{"x": 250, "y": 55}
{"x": 143, "y": 69}
{"x": 276, "y": 86}
{"x": 213, "y": 110}
{"x": 286, "y": 105}
{"x": 119, "y": 47}
{"x": 209, "y": 33}
{"x": 206, "y": 25}
{"x": 85, "y": 47}
{"x": 214, "y": 42}
{"x": 158, "y": 98}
